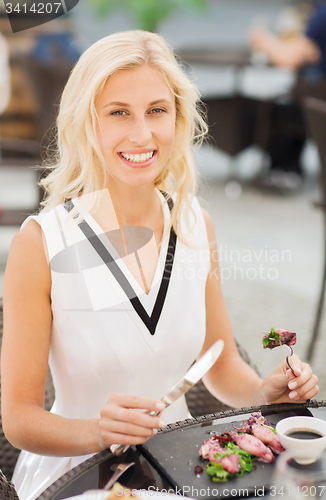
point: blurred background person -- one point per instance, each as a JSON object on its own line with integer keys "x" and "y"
{"x": 305, "y": 52}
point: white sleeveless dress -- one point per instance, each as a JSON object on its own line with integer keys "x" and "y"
{"x": 103, "y": 340}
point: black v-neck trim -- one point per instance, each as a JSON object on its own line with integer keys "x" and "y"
{"x": 149, "y": 321}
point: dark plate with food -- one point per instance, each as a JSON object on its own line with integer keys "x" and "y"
{"x": 210, "y": 458}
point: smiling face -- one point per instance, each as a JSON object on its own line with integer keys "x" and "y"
{"x": 137, "y": 114}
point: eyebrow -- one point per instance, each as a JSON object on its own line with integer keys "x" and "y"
{"x": 125, "y": 104}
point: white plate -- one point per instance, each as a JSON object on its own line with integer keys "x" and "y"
{"x": 143, "y": 494}
{"x": 159, "y": 495}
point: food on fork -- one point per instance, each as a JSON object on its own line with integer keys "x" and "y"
{"x": 277, "y": 337}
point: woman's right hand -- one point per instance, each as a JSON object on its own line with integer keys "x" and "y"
{"x": 123, "y": 421}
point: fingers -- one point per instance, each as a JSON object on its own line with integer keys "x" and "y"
{"x": 296, "y": 366}
{"x": 134, "y": 421}
{"x": 304, "y": 386}
{"x": 283, "y": 386}
{"x": 125, "y": 420}
{"x": 127, "y": 401}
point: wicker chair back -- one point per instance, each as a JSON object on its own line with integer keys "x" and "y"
{"x": 201, "y": 402}
{"x": 7, "y": 489}
{"x": 315, "y": 113}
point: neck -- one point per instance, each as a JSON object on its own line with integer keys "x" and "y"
{"x": 134, "y": 205}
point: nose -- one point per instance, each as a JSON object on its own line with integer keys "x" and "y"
{"x": 140, "y": 132}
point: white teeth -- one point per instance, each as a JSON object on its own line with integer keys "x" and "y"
{"x": 136, "y": 158}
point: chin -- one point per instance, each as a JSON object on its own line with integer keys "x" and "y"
{"x": 141, "y": 179}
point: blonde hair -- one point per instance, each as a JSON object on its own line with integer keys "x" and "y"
{"x": 78, "y": 166}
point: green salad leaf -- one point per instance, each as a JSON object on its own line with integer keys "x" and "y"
{"x": 272, "y": 335}
{"x": 219, "y": 474}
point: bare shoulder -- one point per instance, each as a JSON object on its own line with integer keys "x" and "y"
{"x": 209, "y": 225}
{"x": 28, "y": 244}
{"x": 30, "y": 233}
{"x": 27, "y": 261}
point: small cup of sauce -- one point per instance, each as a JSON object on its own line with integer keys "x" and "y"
{"x": 303, "y": 437}
{"x": 304, "y": 434}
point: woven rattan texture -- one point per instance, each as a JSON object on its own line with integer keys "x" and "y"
{"x": 7, "y": 489}
{"x": 9, "y": 454}
{"x": 73, "y": 474}
{"x": 265, "y": 409}
{"x": 201, "y": 402}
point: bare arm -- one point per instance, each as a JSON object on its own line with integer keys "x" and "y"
{"x": 24, "y": 365}
{"x": 290, "y": 53}
{"x": 231, "y": 380}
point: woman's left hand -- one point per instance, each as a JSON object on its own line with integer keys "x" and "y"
{"x": 282, "y": 386}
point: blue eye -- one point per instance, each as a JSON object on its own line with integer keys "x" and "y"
{"x": 157, "y": 110}
{"x": 119, "y": 112}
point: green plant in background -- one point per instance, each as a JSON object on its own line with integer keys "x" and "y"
{"x": 148, "y": 14}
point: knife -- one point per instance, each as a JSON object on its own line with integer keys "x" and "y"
{"x": 193, "y": 375}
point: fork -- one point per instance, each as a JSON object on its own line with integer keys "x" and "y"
{"x": 103, "y": 494}
{"x": 287, "y": 357}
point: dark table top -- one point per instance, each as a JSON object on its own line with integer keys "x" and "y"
{"x": 218, "y": 57}
{"x": 167, "y": 461}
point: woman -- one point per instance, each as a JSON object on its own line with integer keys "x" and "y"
{"x": 132, "y": 294}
